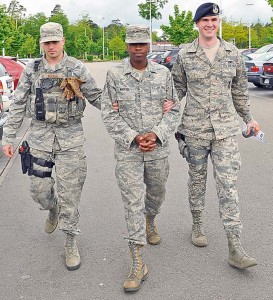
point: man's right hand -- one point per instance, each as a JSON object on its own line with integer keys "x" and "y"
{"x": 8, "y": 150}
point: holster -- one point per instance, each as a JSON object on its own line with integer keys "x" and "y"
{"x": 190, "y": 153}
{"x": 25, "y": 157}
{"x": 182, "y": 146}
{"x": 27, "y": 161}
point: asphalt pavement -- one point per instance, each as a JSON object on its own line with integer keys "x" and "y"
{"x": 32, "y": 262}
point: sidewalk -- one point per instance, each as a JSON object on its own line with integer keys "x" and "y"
{"x": 4, "y": 161}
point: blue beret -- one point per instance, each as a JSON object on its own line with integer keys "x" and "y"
{"x": 206, "y": 9}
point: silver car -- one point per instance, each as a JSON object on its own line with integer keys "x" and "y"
{"x": 254, "y": 68}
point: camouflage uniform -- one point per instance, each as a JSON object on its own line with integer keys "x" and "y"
{"x": 141, "y": 176}
{"x": 59, "y": 139}
{"x": 216, "y": 93}
{"x": 1, "y": 103}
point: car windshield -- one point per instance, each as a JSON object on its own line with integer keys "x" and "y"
{"x": 263, "y": 49}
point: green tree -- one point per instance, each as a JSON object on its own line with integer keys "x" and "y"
{"x": 115, "y": 28}
{"x": 181, "y": 29}
{"x": 28, "y": 48}
{"x": 17, "y": 12}
{"x": 58, "y": 16}
{"x": 155, "y": 37}
{"x": 152, "y": 6}
{"x": 14, "y": 43}
{"x": 237, "y": 31}
{"x": 5, "y": 25}
{"x": 32, "y": 25}
{"x": 78, "y": 39}
{"x": 117, "y": 47}
{"x": 270, "y": 2}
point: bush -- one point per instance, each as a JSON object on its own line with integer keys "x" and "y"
{"x": 90, "y": 58}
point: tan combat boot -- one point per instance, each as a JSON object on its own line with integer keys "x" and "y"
{"x": 153, "y": 237}
{"x": 198, "y": 237}
{"x": 72, "y": 256}
{"x": 237, "y": 256}
{"x": 138, "y": 272}
{"x": 52, "y": 219}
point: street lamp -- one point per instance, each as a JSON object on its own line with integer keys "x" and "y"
{"x": 103, "y": 43}
{"x": 106, "y": 33}
{"x": 249, "y": 29}
{"x": 151, "y": 30}
{"x": 85, "y": 53}
{"x": 103, "y": 40}
{"x": 221, "y": 15}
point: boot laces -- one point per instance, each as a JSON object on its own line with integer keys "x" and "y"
{"x": 135, "y": 259}
{"x": 70, "y": 243}
{"x": 237, "y": 244}
{"x": 198, "y": 230}
{"x": 197, "y": 224}
{"x": 152, "y": 224}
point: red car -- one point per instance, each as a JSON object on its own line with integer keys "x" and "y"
{"x": 13, "y": 67}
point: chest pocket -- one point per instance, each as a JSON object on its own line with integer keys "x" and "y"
{"x": 228, "y": 69}
{"x": 127, "y": 103}
{"x": 197, "y": 74}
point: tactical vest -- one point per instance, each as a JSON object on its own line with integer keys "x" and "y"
{"x": 49, "y": 105}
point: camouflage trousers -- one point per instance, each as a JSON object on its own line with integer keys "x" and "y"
{"x": 142, "y": 186}
{"x": 226, "y": 162}
{"x": 70, "y": 173}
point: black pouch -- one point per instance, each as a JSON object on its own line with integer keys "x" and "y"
{"x": 50, "y": 110}
{"x": 39, "y": 105}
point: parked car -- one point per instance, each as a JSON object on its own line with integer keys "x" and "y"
{"x": 264, "y": 49}
{"x": 170, "y": 57}
{"x": 6, "y": 91}
{"x": 156, "y": 57}
{"x": 254, "y": 68}
{"x": 266, "y": 78}
{"x": 13, "y": 67}
{"x": 248, "y": 51}
{"x": 24, "y": 60}
{"x": 150, "y": 54}
{"x": 246, "y": 57}
{"x": 6, "y": 87}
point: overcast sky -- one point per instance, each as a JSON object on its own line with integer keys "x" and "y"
{"x": 103, "y": 11}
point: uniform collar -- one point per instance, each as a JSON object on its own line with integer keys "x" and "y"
{"x": 224, "y": 49}
{"x": 128, "y": 68}
{"x": 193, "y": 47}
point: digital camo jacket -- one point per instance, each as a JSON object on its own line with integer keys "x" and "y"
{"x": 215, "y": 93}
{"x": 140, "y": 97}
{"x": 63, "y": 118}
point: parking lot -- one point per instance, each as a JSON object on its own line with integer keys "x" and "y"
{"x": 32, "y": 262}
